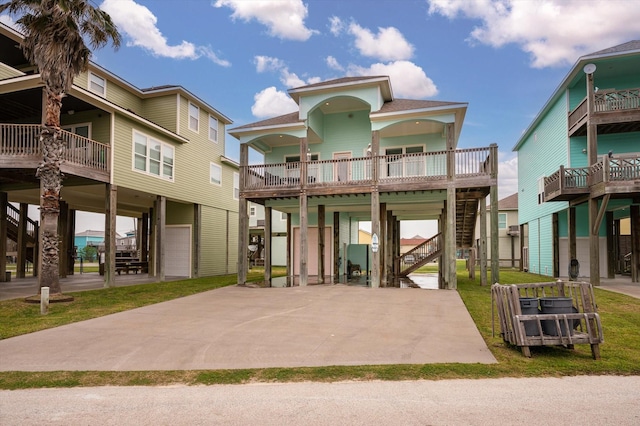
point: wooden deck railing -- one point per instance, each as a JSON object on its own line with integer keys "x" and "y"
{"x": 606, "y": 101}
{"x": 414, "y": 167}
{"x": 24, "y": 140}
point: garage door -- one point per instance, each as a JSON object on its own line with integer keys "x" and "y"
{"x": 177, "y": 255}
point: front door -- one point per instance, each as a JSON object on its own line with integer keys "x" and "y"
{"x": 342, "y": 167}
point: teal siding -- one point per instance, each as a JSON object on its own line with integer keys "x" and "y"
{"x": 541, "y": 246}
{"x": 544, "y": 151}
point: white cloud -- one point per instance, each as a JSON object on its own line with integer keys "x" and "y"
{"x": 291, "y": 79}
{"x": 388, "y": 45}
{"x": 271, "y": 103}
{"x": 267, "y": 63}
{"x": 407, "y": 79}
{"x": 507, "y": 174}
{"x": 283, "y": 18}
{"x": 139, "y": 24}
{"x": 335, "y": 25}
{"x": 334, "y": 64}
{"x": 554, "y": 33}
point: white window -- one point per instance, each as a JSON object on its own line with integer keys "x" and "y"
{"x": 541, "y": 190}
{"x": 152, "y": 156}
{"x": 283, "y": 216}
{"x": 213, "y": 129}
{"x": 236, "y": 186}
{"x": 194, "y": 117}
{"x": 252, "y": 211}
{"x": 97, "y": 84}
{"x": 502, "y": 221}
{"x": 216, "y": 174}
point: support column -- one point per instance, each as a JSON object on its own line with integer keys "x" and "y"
{"x": 161, "y": 220}
{"x": 389, "y": 248}
{"x": 383, "y": 240}
{"x": 268, "y": 213}
{"x": 555, "y": 231}
{"x": 483, "y": 242}
{"x": 110, "y": 208}
{"x": 321, "y": 242}
{"x": 144, "y": 240}
{"x": 304, "y": 241}
{"x": 4, "y": 201}
{"x": 336, "y": 247}
{"x": 375, "y": 209}
{"x": 288, "y": 250}
{"x": 152, "y": 241}
{"x": 611, "y": 251}
{"x": 571, "y": 226}
{"x": 71, "y": 234}
{"x": 594, "y": 243}
{"x": 495, "y": 251}
{"x": 63, "y": 242}
{"x": 197, "y": 232}
{"x": 450, "y": 239}
{"x": 243, "y": 219}
{"x": 635, "y": 243}
{"x": 22, "y": 241}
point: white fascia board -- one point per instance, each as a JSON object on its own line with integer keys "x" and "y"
{"x": 276, "y": 128}
{"x": 412, "y": 112}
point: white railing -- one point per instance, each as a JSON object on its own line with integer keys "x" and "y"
{"x": 20, "y": 139}
{"x": 416, "y": 166}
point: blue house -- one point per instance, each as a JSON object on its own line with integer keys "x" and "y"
{"x": 88, "y": 238}
{"x": 579, "y": 172}
{"x": 353, "y": 152}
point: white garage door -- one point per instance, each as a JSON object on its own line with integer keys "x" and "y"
{"x": 177, "y": 255}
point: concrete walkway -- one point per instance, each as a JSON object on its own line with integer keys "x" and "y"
{"x": 240, "y": 327}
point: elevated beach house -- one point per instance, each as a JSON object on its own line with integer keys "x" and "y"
{"x": 579, "y": 172}
{"x": 154, "y": 154}
{"x": 351, "y": 153}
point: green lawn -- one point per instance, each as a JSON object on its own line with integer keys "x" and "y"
{"x": 620, "y": 352}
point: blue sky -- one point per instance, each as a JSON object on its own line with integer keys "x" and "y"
{"x": 503, "y": 57}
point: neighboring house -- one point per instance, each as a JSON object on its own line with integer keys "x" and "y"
{"x": 579, "y": 171}
{"x": 508, "y": 232}
{"x": 364, "y": 237}
{"x": 351, "y": 153}
{"x": 408, "y": 244}
{"x": 278, "y": 235}
{"x": 154, "y": 154}
{"x": 88, "y": 238}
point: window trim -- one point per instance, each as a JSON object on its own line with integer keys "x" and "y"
{"x": 197, "y": 117}
{"x": 104, "y": 85}
{"x": 217, "y": 129}
{"x": 541, "y": 195}
{"x": 505, "y": 221}
{"x": 252, "y": 211}
{"x": 211, "y": 166}
{"x": 236, "y": 185}
{"x": 163, "y": 145}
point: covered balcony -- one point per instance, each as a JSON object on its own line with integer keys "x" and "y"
{"x": 21, "y": 152}
{"x": 614, "y": 111}
{"x": 399, "y": 172}
{"x": 613, "y": 175}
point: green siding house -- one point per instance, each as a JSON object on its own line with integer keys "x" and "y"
{"x": 155, "y": 154}
{"x": 579, "y": 172}
{"x": 351, "y": 153}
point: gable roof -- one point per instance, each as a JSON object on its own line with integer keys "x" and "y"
{"x": 507, "y": 203}
{"x": 625, "y": 49}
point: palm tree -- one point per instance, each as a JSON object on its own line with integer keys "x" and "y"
{"x": 54, "y": 40}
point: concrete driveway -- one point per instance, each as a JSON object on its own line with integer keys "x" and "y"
{"x": 240, "y": 327}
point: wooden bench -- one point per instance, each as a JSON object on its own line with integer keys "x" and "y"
{"x": 133, "y": 265}
{"x": 583, "y": 322}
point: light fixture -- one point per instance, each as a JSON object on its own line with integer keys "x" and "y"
{"x": 589, "y": 68}
{"x": 71, "y": 112}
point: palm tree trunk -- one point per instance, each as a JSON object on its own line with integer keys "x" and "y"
{"x": 50, "y": 186}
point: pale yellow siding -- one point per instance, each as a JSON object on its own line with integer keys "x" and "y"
{"x": 162, "y": 110}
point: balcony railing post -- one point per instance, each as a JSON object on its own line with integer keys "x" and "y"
{"x": 606, "y": 169}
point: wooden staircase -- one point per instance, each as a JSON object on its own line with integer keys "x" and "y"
{"x": 13, "y": 221}
{"x": 421, "y": 255}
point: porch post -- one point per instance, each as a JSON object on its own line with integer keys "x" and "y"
{"x": 22, "y": 242}
{"x": 594, "y": 243}
{"x": 111, "y": 192}
{"x": 4, "y": 201}
{"x": 611, "y": 251}
{"x": 556, "y": 245}
{"x": 571, "y": 226}
{"x": 197, "y": 232}
{"x": 144, "y": 240}
{"x": 375, "y": 209}
{"x": 63, "y": 242}
{"x": 383, "y": 244}
{"x": 483, "y": 241}
{"x": 289, "y": 238}
{"x": 635, "y": 243}
{"x": 336, "y": 247}
{"x": 321, "y": 242}
{"x": 390, "y": 248}
{"x": 161, "y": 220}
{"x": 450, "y": 239}
{"x": 304, "y": 215}
{"x": 495, "y": 251}
{"x": 268, "y": 214}
{"x": 71, "y": 234}
{"x": 243, "y": 219}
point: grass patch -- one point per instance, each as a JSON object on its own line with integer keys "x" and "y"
{"x": 620, "y": 353}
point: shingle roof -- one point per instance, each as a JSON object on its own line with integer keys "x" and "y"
{"x": 509, "y": 203}
{"x": 339, "y": 81}
{"x": 624, "y": 47}
{"x": 280, "y": 120}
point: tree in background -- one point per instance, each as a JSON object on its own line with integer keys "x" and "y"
{"x": 54, "y": 40}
